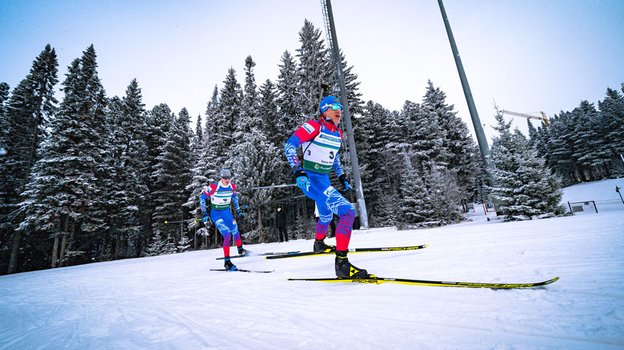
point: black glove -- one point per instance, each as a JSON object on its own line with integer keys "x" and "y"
{"x": 240, "y": 213}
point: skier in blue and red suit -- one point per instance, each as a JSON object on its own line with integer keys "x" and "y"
{"x": 320, "y": 140}
{"x": 222, "y": 194}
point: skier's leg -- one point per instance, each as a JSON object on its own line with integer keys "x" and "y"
{"x": 325, "y": 216}
{"x": 346, "y": 214}
{"x": 220, "y": 223}
{"x": 233, "y": 227}
{"x": 319, "y": 187}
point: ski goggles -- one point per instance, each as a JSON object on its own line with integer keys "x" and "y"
{"x": 332, "y": 106}
{"x": 336, "y": 106}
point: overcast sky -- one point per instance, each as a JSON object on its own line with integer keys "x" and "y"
{"x": 527, "y": 56}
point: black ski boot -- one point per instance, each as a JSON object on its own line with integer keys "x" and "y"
{"x": 229, "y": 266}
{"x": 321, "y": 247}
{"x": 344, "y": 269}
{"x": 242, "y": 251}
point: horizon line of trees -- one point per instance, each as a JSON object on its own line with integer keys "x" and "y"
{"x": 97, "y": 178}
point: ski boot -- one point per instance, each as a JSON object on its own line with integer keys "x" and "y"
{"x": 344, "y": 269}
{"x": 321, "y": 247}
{"x": 229, "y": 266}
{"x": 242, "y": 251}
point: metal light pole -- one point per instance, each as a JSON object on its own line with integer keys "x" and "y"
{"x": 476, "y": 122}
{"x": 359, "y": 193}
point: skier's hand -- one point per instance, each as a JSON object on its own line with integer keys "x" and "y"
{"x": 345, "y": 182}
{"x": 303, "y": 182}
{"x": 239, "y": 213}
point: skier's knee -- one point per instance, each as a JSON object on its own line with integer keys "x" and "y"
{"x": 349, "y": 213}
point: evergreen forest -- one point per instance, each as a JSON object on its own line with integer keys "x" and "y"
{"x": 92, "y": 177}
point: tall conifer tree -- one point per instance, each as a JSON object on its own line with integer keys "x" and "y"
{"x": 24, "y": 118}
{"x": 62, "y": 199}
{"x": 171, "y": 176}
{"x": 314, "y": 68}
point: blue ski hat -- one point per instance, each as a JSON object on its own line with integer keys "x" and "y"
{"x": 226, "y": 173}
{"x": 328, "y": 102}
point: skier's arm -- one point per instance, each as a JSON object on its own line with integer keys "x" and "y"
{"x": 235, "y": 198}
{"x": 206, "y": 193}
{"x": 337, "y": 166}
{"x": 306, "y": 132}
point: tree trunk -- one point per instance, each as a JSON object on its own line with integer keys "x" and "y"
{"x": 65, "y": 231}
{"x": 17, "y": 235}
{"x": 260, "y": 228}
{"x": 54, "y": 252}
{"x": 62, "y": 253}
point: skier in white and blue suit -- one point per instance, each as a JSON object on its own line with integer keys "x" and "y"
{"x": 222, "y": 195}
{"x": 320, "y": 140}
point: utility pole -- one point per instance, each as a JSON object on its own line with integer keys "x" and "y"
{"x": 359, "y": 193}
{"x": 476, "y": 122}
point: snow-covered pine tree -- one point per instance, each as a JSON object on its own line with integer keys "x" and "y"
{"x": 526, "y": 189}
{"x": 210, "y": 158}
{"x": 198, "y": 143}
{"x": 255, "y": 160}
{"x": 560, "y": 147}
{"x": 223, "y": 124}
{"x": 160, "y": 246}
{"x": 127, "y": 181}
{"x": 249, "y": 105}
{"x": 171, "y": 176}
{"x": 159, "y": 120}
{"x": 601, "y": 154}
{"x": 395, "y": 146}
{"x": 269, "y": 112}
{"x": 115, "y": 195}
{"x": 314, "y": 68}
{"x": 354, "y": 99}
{"x": 612, "y": 110}
{"x": 275, "y": 133}
{"x": 379, "y": 184}
{"x": 23, "y": 121}
{"x": 460, "y": 151}
{"x": 4, "y": 95}
{"x": 203, "y": 171}
{"x": 538, "y": 139}
{"x": 354, "y": 96}
{"x": 194, "y": 188}
{"x": 444, "y": 196}
{"x": 541, "y": 189}
{"x": 415, "y": 204}
{"x": 427, "y": 138}
{"x": 63, "y": 197}
{"x": 505, "y": 153}
{"x": 588, "y": 147}
{"x": 291, "y": 115}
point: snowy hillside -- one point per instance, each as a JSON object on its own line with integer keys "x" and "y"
{"x": 175, "y": 302}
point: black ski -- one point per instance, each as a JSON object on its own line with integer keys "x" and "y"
{"x": 244, "y": 270}
{"x": 379, "y": 280}
{"x": 261, "y": 254}
{"x": 352, "y": 250}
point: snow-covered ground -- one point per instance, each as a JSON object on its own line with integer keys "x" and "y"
{"x": 175, "y": 302}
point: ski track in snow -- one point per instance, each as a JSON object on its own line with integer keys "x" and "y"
{"x": 175, "y": 302}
